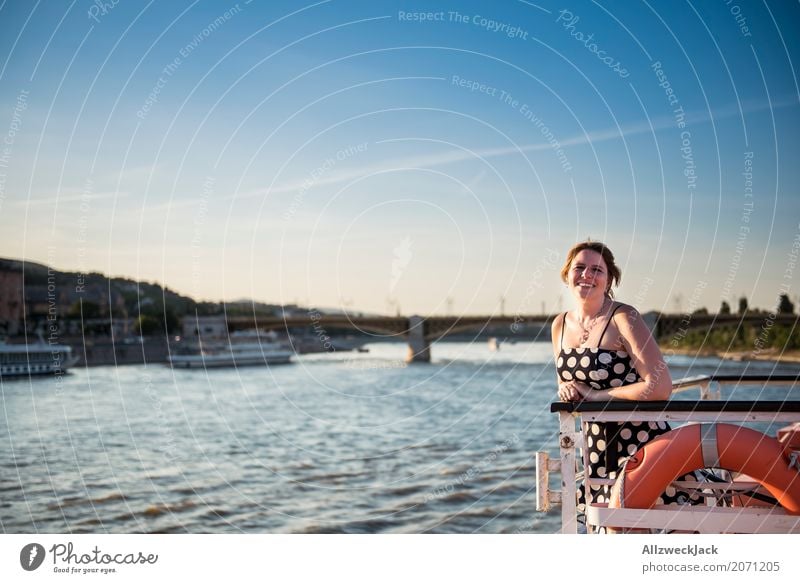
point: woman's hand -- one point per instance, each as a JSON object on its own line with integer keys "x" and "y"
{"x": 567, "y": 392}
{"x": 573, "y": 391}
{"x": 587, "y": 393}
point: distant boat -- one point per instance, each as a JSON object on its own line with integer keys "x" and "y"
{"x": 37, "y": 358}
{"x": 312, "y": 344}
{"x": 244, "y": 349}
{"x": 494, "y": 344}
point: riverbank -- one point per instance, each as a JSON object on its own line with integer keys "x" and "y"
{"x": 768, "y": 354}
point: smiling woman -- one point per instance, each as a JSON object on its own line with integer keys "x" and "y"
{"x": 590, "y": 272}
{"x": 616, "y": 360}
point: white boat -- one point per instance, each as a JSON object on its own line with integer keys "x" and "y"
{"x": 38, "y": 358}
{"x": 244, "y": 349}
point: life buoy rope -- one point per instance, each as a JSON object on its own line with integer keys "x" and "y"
{"x": 655, "y": 465}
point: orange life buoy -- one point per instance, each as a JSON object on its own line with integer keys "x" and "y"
{"x": 739, "y": 449}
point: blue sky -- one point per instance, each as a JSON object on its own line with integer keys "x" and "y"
{"x": 348, "y": 154}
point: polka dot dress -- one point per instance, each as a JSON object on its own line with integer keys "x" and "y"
{"x": 609, "y": 444}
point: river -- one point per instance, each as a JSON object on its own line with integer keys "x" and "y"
{"x": 343, "y": 442}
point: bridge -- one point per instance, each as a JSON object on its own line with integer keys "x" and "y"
{"x": 421, "y": 331}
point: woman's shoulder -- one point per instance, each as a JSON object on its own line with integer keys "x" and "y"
{"x": 625, "y": 310}
{"x": 624, "y": 318}
{"x": 629, "y": 323}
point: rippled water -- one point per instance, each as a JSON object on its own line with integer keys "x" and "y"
{"x": 333, "y": 443}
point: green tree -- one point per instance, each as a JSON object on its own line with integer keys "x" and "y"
{"x": 89, "y": 311}
{"x": 785, "y": 306}
{"x": 147, "y": 325}
{"x": 171, "y": 320}
{"x": 725, "y": 308}
{"x": 743, "y": 305}
{"x": 166, "y": 317}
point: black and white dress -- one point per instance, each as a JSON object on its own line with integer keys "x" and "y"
{"x": 609, "y": 444}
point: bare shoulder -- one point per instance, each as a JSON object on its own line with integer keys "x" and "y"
{"x": 558, "y": 322}
{"x": 555, "y": 332}
{"x": 628, "y": 321}
{"x": 626, "y": 313}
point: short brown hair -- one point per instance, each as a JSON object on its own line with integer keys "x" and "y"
{"x": 614, "y": 274}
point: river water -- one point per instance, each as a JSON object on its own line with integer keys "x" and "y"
{"x": 343, "y": 442}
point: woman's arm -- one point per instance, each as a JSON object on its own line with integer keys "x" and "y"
{"x": 555, "y": 335}
{"x": 566, "y": 391}
{"x": 656, "y": 383}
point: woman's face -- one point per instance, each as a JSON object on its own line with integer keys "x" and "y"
{"x": 588, "y": 275}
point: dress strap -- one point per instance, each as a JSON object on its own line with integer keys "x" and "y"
{"x": 563, "y": 325}
{"x": 611, "y": 317}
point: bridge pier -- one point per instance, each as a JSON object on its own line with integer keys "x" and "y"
{"x": 419, "y": 349}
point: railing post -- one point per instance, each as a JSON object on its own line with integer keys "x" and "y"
{"x": 542, "y": 481}
{"x": 710, "y": 391}
{"x": 566, "y": 444}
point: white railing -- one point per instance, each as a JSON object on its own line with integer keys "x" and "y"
{"x": 710, "y": 409}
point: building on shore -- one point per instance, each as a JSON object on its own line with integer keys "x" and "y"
{"x": 12, "y": 303}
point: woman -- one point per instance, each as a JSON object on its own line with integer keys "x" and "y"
{"x": 605, "y": 351}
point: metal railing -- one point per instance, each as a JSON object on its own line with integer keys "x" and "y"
{"x": 709, "y": 409}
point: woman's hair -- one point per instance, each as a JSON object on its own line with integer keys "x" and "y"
{"x": 614, "y": 274}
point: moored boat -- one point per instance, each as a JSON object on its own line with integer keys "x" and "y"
{"x": 217, "y": 358}
{"x": 37, "y": 358}
{"x": 243, "y": 349}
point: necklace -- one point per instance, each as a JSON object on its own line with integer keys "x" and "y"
{"x": 587, "y": 330}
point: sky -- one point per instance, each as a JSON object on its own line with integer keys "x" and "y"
{"x": 421, "y": 157}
